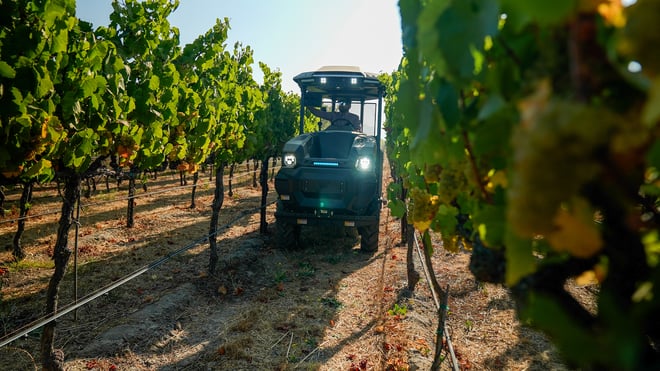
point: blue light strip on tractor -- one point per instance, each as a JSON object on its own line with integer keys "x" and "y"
{"x": 319, "y": 163}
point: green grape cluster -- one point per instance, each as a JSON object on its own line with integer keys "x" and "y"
{"x": 432, "y": 173}
{"x": 422, "y": 208}
{"x": 452, "y": 182}
{"x": 556, "y": 152}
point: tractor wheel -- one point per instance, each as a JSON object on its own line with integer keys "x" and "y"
{"x": 287, "y": 235}
{"x": 369, "y": 237}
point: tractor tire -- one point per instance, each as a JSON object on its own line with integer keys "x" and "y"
{"x": 369, "y": 237}
{"x": 287, "y": 235}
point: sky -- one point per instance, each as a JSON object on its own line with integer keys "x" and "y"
{"x": 293, "y": 36}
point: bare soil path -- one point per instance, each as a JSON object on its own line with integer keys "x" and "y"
{"x": 327, "y": 306}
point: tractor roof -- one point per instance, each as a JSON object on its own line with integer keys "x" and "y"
{"x": 344, "y": 81}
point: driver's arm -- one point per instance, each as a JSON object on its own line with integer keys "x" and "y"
{"x": 322, "y": 114}
{"x": 357, "y": 123}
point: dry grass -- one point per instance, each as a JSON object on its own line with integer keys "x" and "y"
{"x": 326, "y": 307}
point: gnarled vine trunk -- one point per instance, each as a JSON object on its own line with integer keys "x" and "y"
{"x": 52, "y": 359}
{"x": 231, "y": 179}
{"x": 130, "y": 212}
{"x": 254, "y": 173}
{"x": 26, "y": 198}
{"x": 273, "y": 165}
{"x": 413, "y": 275}
{"x": 263, "y": 180}
{"x": 194, "y": 189}
{"x": 218, "y": 199}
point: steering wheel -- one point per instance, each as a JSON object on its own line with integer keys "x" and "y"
{"x": 342, "y": 123}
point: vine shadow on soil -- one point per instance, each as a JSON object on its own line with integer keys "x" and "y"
{"x": 291, "y": 296}
{"x": 128, "y": 255}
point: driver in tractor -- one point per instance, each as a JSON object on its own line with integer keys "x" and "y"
{"x": 343, "y": 118}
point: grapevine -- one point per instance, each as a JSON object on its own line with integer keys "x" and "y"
{"x": 520, "y": 129}
{"x": 73, "y": 98}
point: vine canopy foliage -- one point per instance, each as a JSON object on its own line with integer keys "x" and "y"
{"x": 528, "y": 131}
{"x": 33, "y": 54}
{"x": 126, "y": 96}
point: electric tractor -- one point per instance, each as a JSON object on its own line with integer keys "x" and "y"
{"x": 333, "y": 176}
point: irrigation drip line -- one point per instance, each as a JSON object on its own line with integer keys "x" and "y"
{"x": 165, "y": 190}
{"x": 454, "y": 360}
{"x": 29, "y": 216}
{"x": 99, "y": 203}
{"x": 241, "y": 175}
{"x": 84, "y": 205}
{"x": 88, "y": 298}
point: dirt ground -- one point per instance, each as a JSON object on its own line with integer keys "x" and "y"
{"x": 327, "y": 306}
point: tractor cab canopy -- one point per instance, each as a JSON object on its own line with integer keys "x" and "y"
{"x": 332, "y": 84}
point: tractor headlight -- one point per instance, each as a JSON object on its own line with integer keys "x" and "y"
{"x": 289, "y": 160}
{"x": 363, "y": 164}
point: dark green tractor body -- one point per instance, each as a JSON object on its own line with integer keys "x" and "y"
{"x": 333, "y": 176}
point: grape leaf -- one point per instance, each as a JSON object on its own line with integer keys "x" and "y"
{"x": 154, "y": 82}
{"x": 519, "y": 259}
{"x": 6, "y": 70}
{"x": 576, "y": 231}
{"x": 397, "y": 208}
{"x": 42, "y": 166}
{"x": 460, "y": 24}
{"x": 491, "y": 224}
{"x": 447, "y": 98}
{"x": 543, "y": 12}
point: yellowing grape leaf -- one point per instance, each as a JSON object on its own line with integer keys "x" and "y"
{"x": 38, "y": 167}
{"x": 612, "y": 12}
{"x": 44, "y": 129}
{"x": 586, "y": 278}
{"x": 576, "y": 233}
